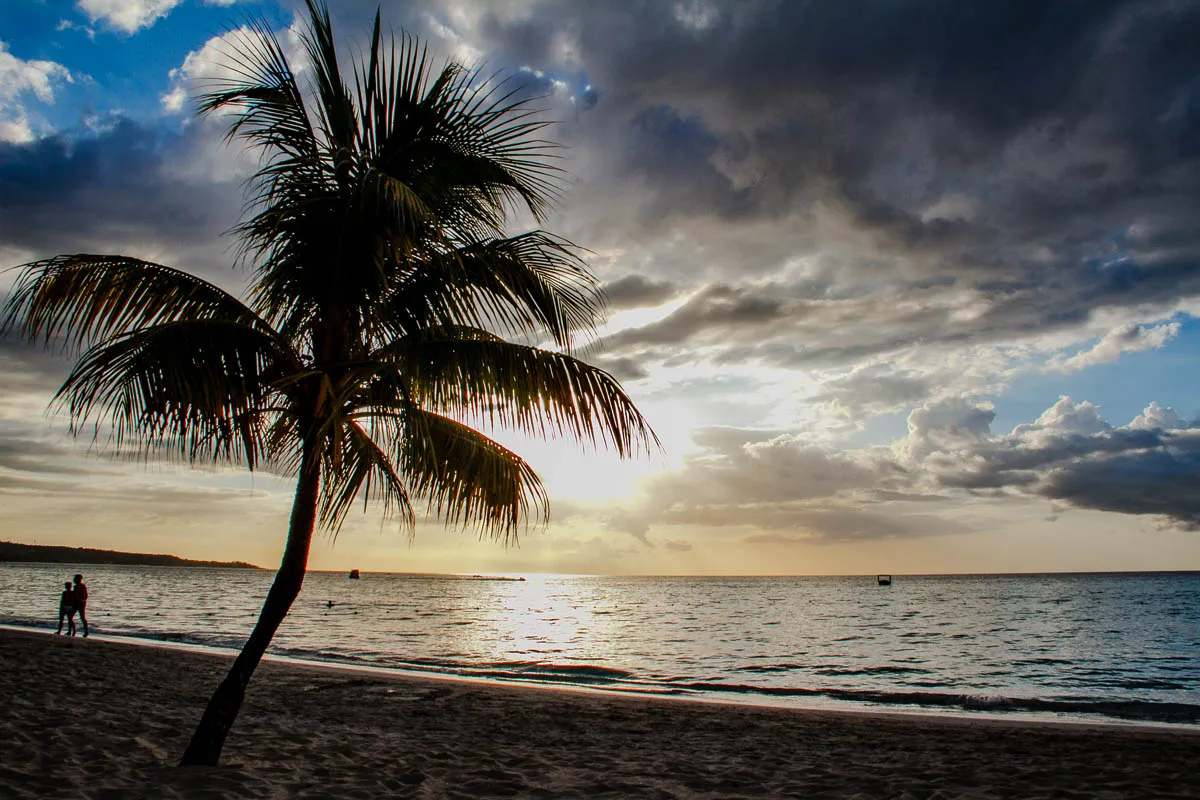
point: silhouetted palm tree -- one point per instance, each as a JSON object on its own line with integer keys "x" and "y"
{"x": 384, "y": 283}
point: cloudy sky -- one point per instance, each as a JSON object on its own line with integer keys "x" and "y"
{"x": 902, "y": 286}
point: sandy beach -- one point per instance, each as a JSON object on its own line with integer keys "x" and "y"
{"x": 98, "y": 719}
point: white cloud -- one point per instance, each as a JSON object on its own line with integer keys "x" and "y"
{"x": 214, "y": 61}
{"x": 128, "y": 16}
{"x": 204, "y": 64}
{"x": 1066, "y": 417}
{"x": 213, "y": 159}
{"x": 1128, "y": 338}
{"x": 696, "y": 16}
{"x": 463, "y": 51}
{"x": 18, "y": 79}
{"x": 67, "y": 25}
{"x": 952, "y": 207}
{"x": 174, "y": 100}
{"x": 1157, "y": 417}
{"x": 37, "y": 77}
{"x": 945, "y": 426}
{"x": 16, "y": 130}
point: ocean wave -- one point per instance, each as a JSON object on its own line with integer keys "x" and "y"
{"x": 571, "y": 674}
{"x": 1132, "y": 710}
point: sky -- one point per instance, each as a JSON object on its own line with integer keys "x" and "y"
{"x": 904, "y": 286}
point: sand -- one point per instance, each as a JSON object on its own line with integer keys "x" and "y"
{"x": 98, "y": 719}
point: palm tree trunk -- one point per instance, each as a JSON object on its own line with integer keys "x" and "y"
{"x": 205, "y": 746}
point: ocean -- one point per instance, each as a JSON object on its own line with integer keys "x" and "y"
{"x": 1098, "y": 647}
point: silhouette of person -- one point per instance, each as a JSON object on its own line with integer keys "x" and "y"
{"x": 79, "y": 597}
{"x": 66, "y": 610}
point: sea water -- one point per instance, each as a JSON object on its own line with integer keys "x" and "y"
{"x": 1084, "y": 646}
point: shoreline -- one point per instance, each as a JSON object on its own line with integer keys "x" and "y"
{"x": 115, "y": 717}
{"x": 806, "y": 705}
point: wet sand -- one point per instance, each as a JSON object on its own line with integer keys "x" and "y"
{"x": 99, "y": 719}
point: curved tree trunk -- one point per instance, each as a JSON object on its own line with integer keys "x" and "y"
{"x": 205, "y": 746}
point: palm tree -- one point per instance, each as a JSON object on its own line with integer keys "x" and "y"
{"x": 384, "y": 287}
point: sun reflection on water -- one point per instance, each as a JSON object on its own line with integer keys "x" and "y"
{"x": 543, "y": 619}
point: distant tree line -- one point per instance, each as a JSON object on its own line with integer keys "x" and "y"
{"x": 49, "y": 554}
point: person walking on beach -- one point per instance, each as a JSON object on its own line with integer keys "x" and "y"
{"x": 80, "y": 596}
{"x": 66, "y": 610}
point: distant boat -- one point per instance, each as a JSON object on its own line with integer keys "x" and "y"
{"x": 884, "y": 580}
{"x": 353, "y": 574}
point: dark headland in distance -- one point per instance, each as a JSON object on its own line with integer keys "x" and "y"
{"x": 50, "y": 554}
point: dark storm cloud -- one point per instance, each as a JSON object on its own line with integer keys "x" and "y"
{"x": 778, "y": 72}
{"x": 117, "y": 190}
{"x": 1016, "y": 462}
{"x": 778, "y": 325}
{"x": 718, "y": 311}
{"x": 625, "y": 369}
{"x": 36, "y": 462}
{"x": 26, "y": 368}
{"x": 873, "y": 388}
{"x": 131, "y": 189}
{"x": 1161, "y": 481}
{"x": 1148, "y": 467}
{"x": 23, "y": 455}
{"x": 1043, "y": 158}
{"x": 836, "y": 179}
{"x": 637, "y": 291}
{"x": 789, "y": 325}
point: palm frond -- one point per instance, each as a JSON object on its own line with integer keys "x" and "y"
{"x": 260, "y": 87}
{"x": 85, "y": 298}
{"x": 527, "y": 283}
{"x": 296, "y": 185}
{"x": 464, "y": 141}
{"x": 471, "y": 373}
{"x": 363, "y": 471}
{"x": 489, "y": 120}
{"x": 396, "y": 201}
{"x": 337, "y": 112}
{"x": 465, "y": 477}
{"x": 194, "y": 388}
